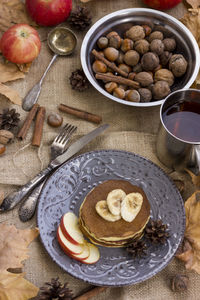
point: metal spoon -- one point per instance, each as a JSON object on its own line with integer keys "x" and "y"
{"x": 62, "y": 41}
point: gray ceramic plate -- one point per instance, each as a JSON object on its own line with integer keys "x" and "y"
{"x": 65, "y": 191}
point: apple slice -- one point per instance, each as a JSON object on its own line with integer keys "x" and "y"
{"x": 67, "y": 246}
{"x": 94, "y": 255}
{"x": 84, "y": 255}
{"x": 70, "y": 228}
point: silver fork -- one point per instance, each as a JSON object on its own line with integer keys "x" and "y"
{"x": 27, "y": 208}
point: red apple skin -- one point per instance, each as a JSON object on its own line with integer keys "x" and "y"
{"x": 49, "y": 12}
{"x": 162, "y": 4}
{"x": 63, "y": 246}
{"x": 66, "y": 234}
{"x": 20, "y": 44}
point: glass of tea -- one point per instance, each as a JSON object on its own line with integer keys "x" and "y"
{"x": 178, "y": 139}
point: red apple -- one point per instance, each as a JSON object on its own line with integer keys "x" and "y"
{"x": 67, "y": 246}
{"x": 70, "y": 228}
{"x": 84, "y": 255}
{"x": 94, "y": 255}
{"x": 49, "y": 12}
{"x": 162, "y": 4}
{"x": 20, "y": 44}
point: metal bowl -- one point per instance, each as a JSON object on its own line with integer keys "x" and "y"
{"x": 121, "y": 20}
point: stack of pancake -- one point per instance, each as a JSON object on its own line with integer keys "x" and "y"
{"x": 112, "y": 234}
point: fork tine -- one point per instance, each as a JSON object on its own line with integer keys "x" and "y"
{"x": 72, "y": 130}
{"x": 62, "y": 132}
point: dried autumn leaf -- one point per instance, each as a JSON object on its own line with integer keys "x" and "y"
{"x": 195, "y": 178}
{"x": 11, "y": 94}
{"x": 13, "y": 245}
{"x": 13, "y": 12}
{"x": 192, "y": 21}
{"x": 15, "y": 287}
{"x": 191, "y": 252}
{"x": 1, "y": 196}
{"x": 193, "y": 3}
{"x": 9, "y": 72}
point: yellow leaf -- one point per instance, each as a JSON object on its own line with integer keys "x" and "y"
{"x": 191, "y": 253}
{"x": 193, "y": 3}
{"x": 15, "y": 287}
{"x": 195, "y": 178}
{"x": 192, "y": 21}
{"x": 11, "y": 94}
{"x": 13, "y": 245}
{"x": 9, "y": 72}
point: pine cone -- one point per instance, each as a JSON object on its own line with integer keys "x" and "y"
{"x": 80, "y": 18}
{"x": 137, "y": 248}
{"x": 156, "y": 232}
{"x": 78, "y": 80}
{"x": 9, "y": 119}
{"x": 55, "y": 290}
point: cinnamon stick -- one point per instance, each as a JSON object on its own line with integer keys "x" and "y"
{"x": 118, "y": 79}
{"x": 92, "y": 293}
{"x": 27, "y": 123}
{"x": 111, "y": 65}
{"x": 80, "y": 113}
{"x": 39, "y": 122}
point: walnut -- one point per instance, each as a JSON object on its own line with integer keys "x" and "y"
{"x": 136, "y": 33}
{"x": 144, "y": 78}
{"x": 164, "y": 74}
{"x": 137, "y": 68}
{"x": 170, "y": 44}
{"x": 131, "y": 57}
{"x": 157, "y": 46}
{"x": 160, "y": 90}
{"x": 158, "y": 35}
{"x": 142, "y": 46}
{"x": 149, "y": 61}
{"x": 145, "y": 95}
{"x": 178, "y": 65}
{"x": 165, "y": 57}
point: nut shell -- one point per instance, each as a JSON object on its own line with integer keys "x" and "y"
{"x": 178, "y": 65}
{"x": 160, "y": 90}
{"x": 156, "y": 35}
{"x": 133, "y": 96}
{"x": 99, "y": 67}
{"x": 149, "y": 61}
{"x": 131, "y": 58}
{"x": 144, "y": 78}
{"x": 145, "y": 95}
{"x": 111, "y": 53}
{"x": 102, "y": 42}
{"x": 2, "y": 149}
{"x": 141, "y": 46}
{"x": 157, "y": 46}
{"x": 54, "y": 120}
{"x": 136, "y": 33}
{"x": 164, "y": 74}
{"x": 127, "y": 44}
{"x": 5, "y": 136}
{"x": 169, "y": 44}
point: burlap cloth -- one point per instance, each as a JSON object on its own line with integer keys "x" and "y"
{"x": 131, "y": 129}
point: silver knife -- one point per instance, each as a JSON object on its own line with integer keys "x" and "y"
{"x": 13, "y": 199}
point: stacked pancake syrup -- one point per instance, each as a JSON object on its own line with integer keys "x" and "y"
{"x": 114, "y": 213}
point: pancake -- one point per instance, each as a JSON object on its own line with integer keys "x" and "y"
{"x": 113, "y": 234}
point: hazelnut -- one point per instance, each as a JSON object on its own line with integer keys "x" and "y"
{"x": 112, "y": 33}
{"x": 158, "y": 35}
{"x": 136, "y": 33}
{"x": 133, "y": 96}
{"x": 54, "y": 120}
{"x": 178, "y": 65}
{"x": 110, "y": 86}
{"x": 164, "y": 74}
{"x": 102, "y": 42}
{"x": 149, "y": 61}
{"x": 127, "y": 44}
{"x": 120, "y": 58}
{"x": 111, "y": 53}
{"x": 144, "y": 78}
{"x": 123, "y": 86}
{"x": 115, "y": 41}
{"x": 157, "y": 46}
{"x": 147, "y": 29}
{"x": 124, "y": 68}
{"x": 165, "y": 57}
{"x": 131, "y": 57}
{"x": 5, "y": 136}
{"x": 2, "y": 149}
{"x": 119, "y": 93}
{"x": 170, "y": 44}
{"x": 142, "y": 46}
{"x": 99, "y": 67}
{"x": 145, "y": 95}
{"x": 137, "y": 68}
{"x": 160, "y": 90}
{"x": 131, "y": 75}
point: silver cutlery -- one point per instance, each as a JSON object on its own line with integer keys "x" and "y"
{"x": 27, "y": 208}
{"x": 14, "y": 198}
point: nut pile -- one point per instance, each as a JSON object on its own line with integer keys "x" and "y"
{"x": 143, "y": 56}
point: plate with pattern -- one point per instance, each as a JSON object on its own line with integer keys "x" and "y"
{"x": 66, "y": 189}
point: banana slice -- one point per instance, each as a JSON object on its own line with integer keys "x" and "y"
{"x": 131, "y": 206}
{"x": 114, "y": 200}
{"x": 103, "y": 211}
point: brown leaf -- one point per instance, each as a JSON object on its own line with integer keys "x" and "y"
{"x": 9, "y": 72}
{"x": 11, "y": 94}
{"x": 15, "y": 287}
{"x": 195, "y": 178}
{"x": 13, "y": 12}
{"x": 13, "y": 245}
{"x": 192, "y": 21}
{"x": 1, "y": 196}
{"x": 191, "y": 251}
{"x": 193, "y": 3}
